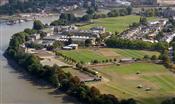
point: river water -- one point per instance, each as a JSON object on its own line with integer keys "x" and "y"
{"x": 16, "y": 88}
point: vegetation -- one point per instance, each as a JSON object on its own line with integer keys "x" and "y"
{"x": 135, "y": 44}
{"x": 38, "y": 25}
{"x": 120, "y": 12}
{"x": 103, "y": 55}
{"x": 123, "y": 81}
{"x": 15, "y": 6}
{"x": 83, "y": 55}
{"x": 115, "y": 24}
{"x": 156, "y": 12}
{"x": 169, "y": 101}
{"x": 34, "y": 45}
{"x": 67, "y": 18}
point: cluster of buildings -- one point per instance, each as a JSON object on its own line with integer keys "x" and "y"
{"x": 147, "y": 32}
{"x": 153, "y": 2}
{"x": 3, "y": 2}
{"x": 114, "y": 3}
{"x": 65, "y": 33}
{"x": 137, "y": 2}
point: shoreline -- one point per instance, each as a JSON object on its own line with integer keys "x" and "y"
{"x": 40, "y": 82}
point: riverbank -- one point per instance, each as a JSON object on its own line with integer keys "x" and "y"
{"x": 15, "y": 89}
{"x": 41, "y": 84}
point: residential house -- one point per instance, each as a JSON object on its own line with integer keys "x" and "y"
{"x": 99, "y": 30}
{"x": 48, "y": 31}
{"x": 70, "y": 47}
{"x": 34, "y": 37}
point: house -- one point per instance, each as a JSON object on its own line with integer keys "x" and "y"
{"x": 51, "y": 38}
{"x": 48, "y": 31}
{"x": 169, "y": 38}
{"x": 169, "y": 12}
{"x": 67, "y": 48}
{"x": 64, "y": 28}
{"x": 70, "y": 47}
{"x": 74, "y": 46}
{"x": 127, "y": 60}
{"x": 100, "y": 29}
{"x": 34, "y": 37}
{"x": 81, "y": 33}
{"x": 47, "y": 43}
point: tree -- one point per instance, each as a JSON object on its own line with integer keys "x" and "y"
{"x": 94, "y": 91}
{"x": 129, "y": 101}
{"x": 57, "y": 44}
{"x": 154, "y": 57}
{"x": 159, "y": 35}
{"x": 86, "y": 18}
{"x": 63, "y": 16}
{"x": 59, "y": 22}
{"x": 30, "y": 31}
{"x": 90, "y": 11}
{"x": 88, "y": 42}
{"x": 169, "y": 101}
{"x": 38, "y": 25}
{"x": 129, "y": 9}
{"x": 69, "y": 41}
{"x": 150, "y": 12}
{"x": 146, "y": 57}
{"x": 143, "y": 20}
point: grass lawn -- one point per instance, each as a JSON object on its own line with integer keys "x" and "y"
{"x": 114, "y": 24}
{"x": 87, "y": 55}
{"x": 84, "y": 55}
{"x": 123, "y": 82}
{"x": 135, "y": 53}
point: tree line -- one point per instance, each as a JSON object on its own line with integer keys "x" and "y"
{"x": 16, "y": 6}
{"x": 169, "y": 101}
{"x": 115, "y": 42}
{"x": 56, "y": 76}
{"x": 157, "y": 12}
{"x": 69, "y": 18}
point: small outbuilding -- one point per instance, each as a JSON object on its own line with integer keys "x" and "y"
{"x": 71, "y": 47}
{"x": 127, "y": 60}
{"x": 74, "y": 46}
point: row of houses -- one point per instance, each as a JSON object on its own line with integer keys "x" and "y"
{"x": 145, "y": 32}
{"x": 64, "y": 33}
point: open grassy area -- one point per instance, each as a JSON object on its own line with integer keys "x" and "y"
{"x": 84, "y": 55}
{"x": 114, "y": 24}
{"x": 87, "y": 55}
{"x": 123, "y": 82}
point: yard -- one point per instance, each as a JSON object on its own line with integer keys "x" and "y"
{"x": 123, "y": 81}
{"x": 87, "y": 55}
{"x": 114, "y": 24}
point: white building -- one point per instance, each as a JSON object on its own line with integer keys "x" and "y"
{"x": 34, "y": 37}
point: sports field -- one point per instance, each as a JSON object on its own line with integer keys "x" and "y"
{"x": 123, "y": 81}
{"x": 84, "y": 55}
{"x": 87, "y": 55}
{"x": 114, "y": 24}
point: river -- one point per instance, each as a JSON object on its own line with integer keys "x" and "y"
{"x": 17, "y": 88}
